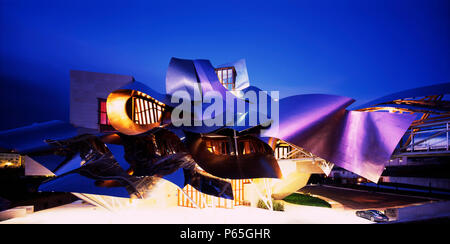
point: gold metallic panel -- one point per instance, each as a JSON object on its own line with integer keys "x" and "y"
{"x": 116, "y": 107}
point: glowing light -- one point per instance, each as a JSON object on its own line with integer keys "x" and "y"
{"x": 81, "y": 213}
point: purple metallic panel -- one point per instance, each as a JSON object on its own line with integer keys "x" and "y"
{"x": 242, "y": 80}
{"x": 368, "y": 140}
{"x": 306, "y": 116}
{"x": 361, "y": 142}
{"x": 181, "y": 76}
{"x": 208, "y": 78}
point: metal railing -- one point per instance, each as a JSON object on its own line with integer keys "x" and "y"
{"x": 426, "y": 138}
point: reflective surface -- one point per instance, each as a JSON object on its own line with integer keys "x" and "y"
{"x": 129, "y": 162}
{"x": 438, "y": 89}
{"x": 227, "y": 162}
{"x": 361, "y": 142}
{"x": 119, "y": 112}
{"x": 242, "y": 80}
{"x": 93, "y": 167}
{"x": 32, "y": 138}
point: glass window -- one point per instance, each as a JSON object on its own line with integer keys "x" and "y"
{"x": 227, "y": 76}
{"x": 146, "y": 110}
{"x": 103, "y": 120}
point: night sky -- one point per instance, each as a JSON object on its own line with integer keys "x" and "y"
{"x": 360, "y": 49}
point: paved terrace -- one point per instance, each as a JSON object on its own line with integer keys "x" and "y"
{"x": 352, "y": 199}
{"x": 83, "y": 213}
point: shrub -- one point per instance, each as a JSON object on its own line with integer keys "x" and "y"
{"x": 261, "y": 204}
{"x": 278, "y": 205}
{"x": 302, "y": 199}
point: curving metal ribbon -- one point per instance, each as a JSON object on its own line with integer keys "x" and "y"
{"x": 129, "y": 162}
{"x": 361, "y": 142}
{"x": 119, "y": 108}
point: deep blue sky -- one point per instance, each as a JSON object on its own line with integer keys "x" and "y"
{"x": 361, "y": 49}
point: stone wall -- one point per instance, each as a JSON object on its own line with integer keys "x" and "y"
{"x": 85, "y": 89}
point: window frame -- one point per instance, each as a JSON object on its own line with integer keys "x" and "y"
{"x": 103, "y": 127}
{"x": 146, "y": 110}
{"x": 221, "y": 78}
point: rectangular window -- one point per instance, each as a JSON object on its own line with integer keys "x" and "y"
{"x": 103, "y": 121}
{"x": 227, "y": 76}
{"x": 217, "y": 146}
{"x": 282, "y": 151}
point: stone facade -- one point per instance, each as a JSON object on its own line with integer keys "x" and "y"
{"x": 85, "y": 90}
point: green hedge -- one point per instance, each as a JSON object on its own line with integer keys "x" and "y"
{"x": 302, "y": 199}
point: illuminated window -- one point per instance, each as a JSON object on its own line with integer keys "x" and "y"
{"x": 248, "y": 144}
{"x": 227, "y": 76}
{"x": 217, "y": 146}
{"x": 282, "y": 151}
{"x": 221, "y": 146}
{"x": 103, "y": 120}
{"x": 10, "y": 160}
{"x": 204, "y": 200}
{"x": 146, "y": 110}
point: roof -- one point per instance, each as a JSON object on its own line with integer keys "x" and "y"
{"x": 409, "y": 95}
